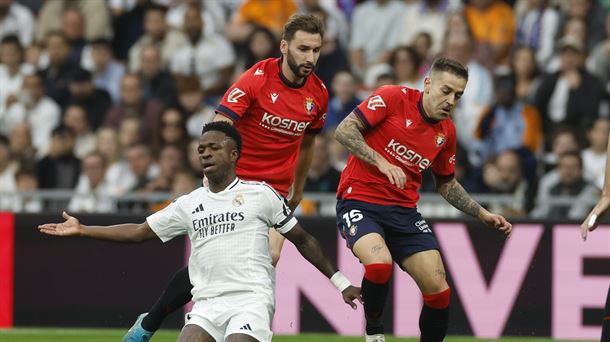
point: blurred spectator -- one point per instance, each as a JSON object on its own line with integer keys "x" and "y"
{"x": 75, "y": 117}
{"x": 537, "y": 28}
{"x": 21, "y": 144}
{"x": 262, "y": 44}
{"x": 107, "y": 71}
{"x": 509, "y": 124}
{"x": 423, "y": 46}
{"x": 117, "y": 170}
{"x": 73, "y": 27}
{"x": 208, "y": 56}
{"x": 60, "y": 168}
{"x": 95, "y": 101}
{"x": 429, "y": 16}
{"x": 598, "y": 62}
{"x": 375, "y": 32}
{"x": 157, "y": 82}
{"x": 575, "y": 29}
{"x": 523, "y": 65}
{"x": 594, "y": 157}
{"x": 171, "y": 160}
{"x": 93, "y": 193}
{"x": 184, "y": 182}
{"x": 34, "y": 57}
{"x": 270, "y": 14}
{"x": 26, "y": 182}
{"x": 96, "y": 11}
{"x": 129, "y": 132}
{"x": 332, "y": 54}
{"x": 133, "y": 104}
{"x": 7, "y": 174}
{"x": 18, "y": 20}
{"x": 193, "y": 161}
{"x": 336, "y": 151}
{"x": 322, "y": 176}
{"x": 477, "y": 95}
{"x": 591, "y": 14}
{"x": 570, "y": 182}
{"x": 504, "y": 175}
{"x": 343, "y": 101}
{"x": 39, "y": 112}
{"x": 406, "y": 65}
{"x": 12, "y": 70}
{"x": 212, "y": 14}
{"x": 142, "y": 166}
{"x": 172, "y": 130}
{"x": 128, "y": 21}
{"x": 191, "y": 102}
{"x": 336, "y": 25}
{"x": 493, "y": 27}
{"x": 563, "y": 140}
{"x": 156, "y": 33}
{"x": 570, "y": 96}
{"x": 60, "y": 69}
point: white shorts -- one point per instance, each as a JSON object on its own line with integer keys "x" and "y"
{"x": 236, "y": 314}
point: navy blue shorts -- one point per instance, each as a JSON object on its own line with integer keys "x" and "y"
{"x": 404, "y": 230}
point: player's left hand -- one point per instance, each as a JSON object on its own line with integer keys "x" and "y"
{"x": 351, "y": 293}
{"x": 497, "y": 222}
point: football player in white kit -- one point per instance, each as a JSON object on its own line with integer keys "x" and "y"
{"x": 228, "y": 225}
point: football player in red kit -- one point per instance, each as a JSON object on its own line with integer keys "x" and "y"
{"x": 278, "y": 106}
{"x": 393, "y": 136}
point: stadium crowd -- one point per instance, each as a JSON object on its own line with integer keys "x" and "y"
{"x": 108, "y": 97}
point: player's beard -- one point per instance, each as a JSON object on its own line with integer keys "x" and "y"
{"x": 296, "y": 68}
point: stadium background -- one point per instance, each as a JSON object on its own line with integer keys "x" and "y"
{"x": 113, "y": 93}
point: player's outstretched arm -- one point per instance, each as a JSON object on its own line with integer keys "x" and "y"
{"x": 349, "y": 134}
{"x": 310, "y": 249}
{"x": 602, "y": 206}
{"x": 454, "y": 193}
{"x": 129, "y": 232}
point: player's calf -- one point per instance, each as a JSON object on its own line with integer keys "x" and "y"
{"x": 434, "y": 317}
{"x": 375, "y": 287}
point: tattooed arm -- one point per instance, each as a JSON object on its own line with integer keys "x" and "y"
{"x": 454, "y": 193}
{"x": 349, "y": 134}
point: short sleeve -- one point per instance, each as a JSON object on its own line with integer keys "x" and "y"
{"x": 276, "y": 211}
{"x": 318, "y": 123}
{"x": 376, "y": 107}
{"x": 444, "y": 164}
{"x": 237, "y": 99}
{"x": 170, "y": 221}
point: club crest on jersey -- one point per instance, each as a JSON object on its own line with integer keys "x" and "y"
{"x": 238, "y": 200}
{"x": 353, "y": 229}
{"x": 309, "y": 105}
{"x": 439, "y": 139}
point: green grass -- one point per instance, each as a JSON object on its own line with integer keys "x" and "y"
{"x": 114, "y": 335}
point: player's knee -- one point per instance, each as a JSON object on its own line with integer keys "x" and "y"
{"x": 378, "y": 273}
{"x": 438, "y": 300}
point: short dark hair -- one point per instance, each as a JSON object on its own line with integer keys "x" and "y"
{"x": 302, "y": 22}
{"x": 450, "y": 66}
{"x": 226, "y": 128}
{"x": 62, "y": 130}
{"x": 102, "y": 43}
{"x": 4, "y": 140}
{"x": 12, "y": 40}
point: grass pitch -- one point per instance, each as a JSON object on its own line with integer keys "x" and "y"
{"x": 114, "y": 335}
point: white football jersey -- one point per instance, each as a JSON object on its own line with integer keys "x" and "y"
{"x": 229, "y": 233}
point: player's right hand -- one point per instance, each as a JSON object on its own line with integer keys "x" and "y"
{"x": 591, "y": 222}
{"x": 395, "y": 174}
{"x": 351, "y": 293}
{"x": 71, "y": 227}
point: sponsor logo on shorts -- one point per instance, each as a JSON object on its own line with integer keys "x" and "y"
{"x": 246, "y": 327}
{"x": 423, "y": 226}
{"x": 353, "y": 229}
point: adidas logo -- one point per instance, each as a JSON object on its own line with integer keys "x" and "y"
{"x": 246, "y": 327}
{"x": 198, "y": 209}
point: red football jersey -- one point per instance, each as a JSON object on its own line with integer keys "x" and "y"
{"x": 399, "y": 130}
{"x": 272, "y": 114}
